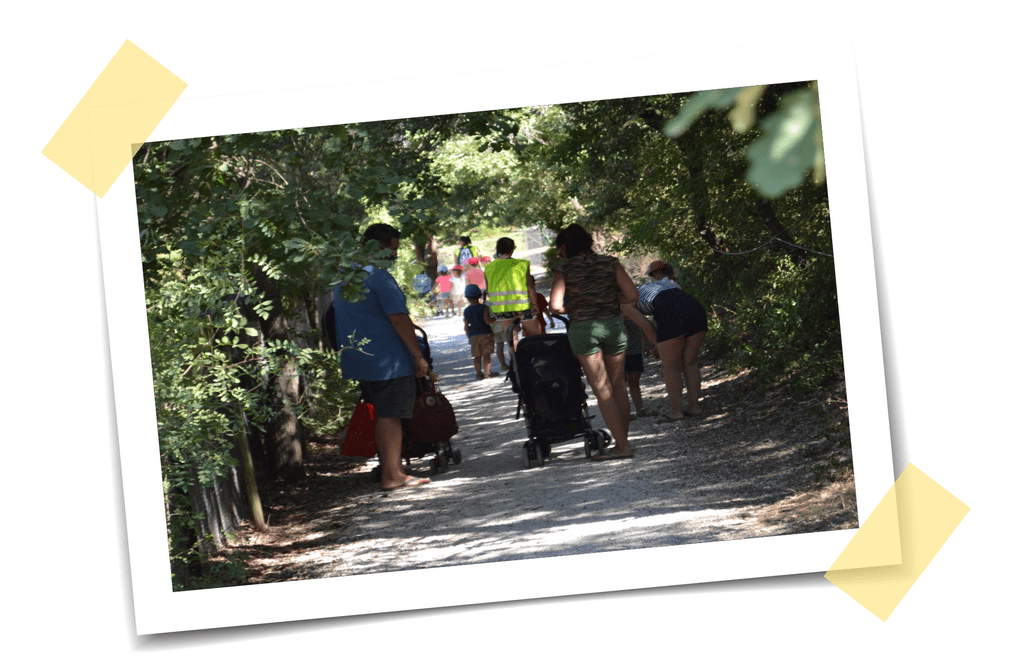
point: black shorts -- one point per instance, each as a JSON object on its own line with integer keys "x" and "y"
{"x": 393, "y": 398}
{"x": 678, "y": 314}
{"x": 509, "y": 315}
{"x": 634, "y": 363}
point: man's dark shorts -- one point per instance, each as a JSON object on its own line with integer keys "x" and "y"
{"x": 393, "y": 398}
{"x": 509, "y": 315}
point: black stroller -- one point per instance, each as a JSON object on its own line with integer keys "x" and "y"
{"x": 429, "y": 435}
{"x": 549, "y": 381}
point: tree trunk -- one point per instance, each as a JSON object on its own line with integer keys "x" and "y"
{"x": 252, "y": 492}
{"x": 284, "y": 441}
{"x": 653, "y": 120}
{"x": 427, "y": 253}
{"x": 767, "y": 215}
{"x": 704, "y": 227}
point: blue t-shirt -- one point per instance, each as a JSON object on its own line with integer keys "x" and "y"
{"x": 385, "y": 356}
{"x": 474, "y": 315}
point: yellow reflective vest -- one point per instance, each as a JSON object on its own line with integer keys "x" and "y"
{"x": 507, "y": 289}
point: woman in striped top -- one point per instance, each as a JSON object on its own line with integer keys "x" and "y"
{"x": 682, "y": 327}
{"x": 589, "y": 288}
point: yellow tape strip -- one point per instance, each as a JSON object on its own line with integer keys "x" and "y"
{"x": 926, "y": 513}
{"x": 115, "y": 116}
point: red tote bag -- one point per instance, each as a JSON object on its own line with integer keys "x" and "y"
{"x": 360, "y": 441}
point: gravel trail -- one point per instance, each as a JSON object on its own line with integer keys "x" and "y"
{"x": 490, "y": 507}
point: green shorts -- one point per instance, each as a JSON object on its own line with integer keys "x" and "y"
{"x": 607, "y": 335}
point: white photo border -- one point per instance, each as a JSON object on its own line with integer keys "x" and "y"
{"x": 830, "y": 63}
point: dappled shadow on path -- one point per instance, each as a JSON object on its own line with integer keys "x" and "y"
{"x": 736, "y": 473}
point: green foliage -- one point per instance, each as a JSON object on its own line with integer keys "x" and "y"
{"x": 191, "y": 566}
{"x": 788, "y": 329}
{"x": 790, "y": 145}
{"x": 329, "y": 399}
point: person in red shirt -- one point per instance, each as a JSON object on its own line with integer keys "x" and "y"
{"x": 535, "y": 326}
{"x": 475, "y": 275}
{"x": 443, "y": 288}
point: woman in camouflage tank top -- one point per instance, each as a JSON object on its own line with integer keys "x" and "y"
{"x": 590, "y": 288}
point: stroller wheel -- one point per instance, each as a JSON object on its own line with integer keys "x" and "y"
{"x": 526, "y": 455}
{"x": 456, "y": 456}
{"x": 376, "y": 473}
{"x": 607, "y": 434}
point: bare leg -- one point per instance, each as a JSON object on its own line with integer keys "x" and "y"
{"x": 691, "y": 370}
{"x": 609, "y": 396}
{"x": 671, "y": 353}
{"x": 616, "y": 366}
{"x": 633, "y": 382}
{"x": 389, "y": 449}
{"x": 487, "y": 350}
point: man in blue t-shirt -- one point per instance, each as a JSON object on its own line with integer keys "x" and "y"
{"x": 387, "y": 366}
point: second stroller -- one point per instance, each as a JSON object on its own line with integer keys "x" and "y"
{"x": 549, "y": 381}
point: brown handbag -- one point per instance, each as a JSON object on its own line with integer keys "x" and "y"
{"x": 433, "y": 418}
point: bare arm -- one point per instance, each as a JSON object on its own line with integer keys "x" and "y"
{"x": 407, "y": 332}
{"x": 632, "y": 313}
{"x": 556, "y": 302}
{"x": 531, "y": 289}
{"x": 627, "y": 291}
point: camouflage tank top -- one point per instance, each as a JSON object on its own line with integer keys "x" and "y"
{"x": 590, "y": 287}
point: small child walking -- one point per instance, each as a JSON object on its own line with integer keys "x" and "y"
{"x": 477, "y": 319}
{"x": 458, "y": 288}
{"x": 636, "y": 348}
{"x": 443, "y": 288}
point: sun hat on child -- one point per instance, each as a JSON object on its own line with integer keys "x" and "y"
{"x": 473, "y": 290}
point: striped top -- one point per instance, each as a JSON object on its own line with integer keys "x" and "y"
{"x": 591, "y": 290}
{"x": 651, "y": 290}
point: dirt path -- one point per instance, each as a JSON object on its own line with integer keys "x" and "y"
{"x": 754, "y": 465}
